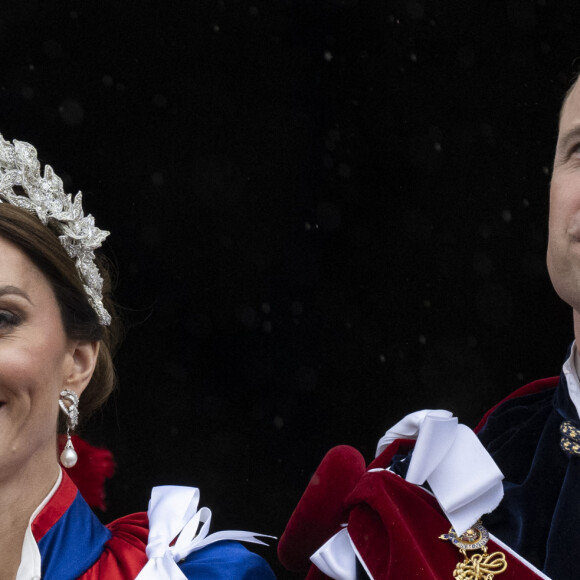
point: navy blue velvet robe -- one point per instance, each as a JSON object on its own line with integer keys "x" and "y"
{"x": 539, "y": 516}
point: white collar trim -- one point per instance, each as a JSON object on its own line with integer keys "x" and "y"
{"x": 571, "y": 373}
{"x": 29, "y": 568}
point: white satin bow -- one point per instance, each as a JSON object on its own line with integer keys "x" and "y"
{"x": 462, "y": 475}
{"x": 173, "y": 514}
{"x": 336, "y": 557}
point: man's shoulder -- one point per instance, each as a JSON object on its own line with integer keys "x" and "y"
{"x": 511, "y": 429}
{"x": 533, "y": 394}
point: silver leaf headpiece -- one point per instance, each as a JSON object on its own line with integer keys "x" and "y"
{"x": 45, "y": 196}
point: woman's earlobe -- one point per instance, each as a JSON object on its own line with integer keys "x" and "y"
{"x": 84, "y": 356}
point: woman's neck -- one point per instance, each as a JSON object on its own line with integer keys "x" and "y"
{"x": 20, "y": 494}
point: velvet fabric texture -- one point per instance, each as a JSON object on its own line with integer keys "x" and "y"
{"x": 394, "y": 525}
{"x": 322, "y": 507}
{"x": 539, "y": 516}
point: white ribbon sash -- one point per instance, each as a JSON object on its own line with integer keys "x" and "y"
{"x": 336, "y": 557}
{"x": 173, "y": 515}
{"x": 462, "y": 475}
{"x": 464, "y": 478}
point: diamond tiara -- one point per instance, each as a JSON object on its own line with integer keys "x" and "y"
{"x": 44, "y": 196}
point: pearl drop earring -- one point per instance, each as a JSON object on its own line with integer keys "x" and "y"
{"x": 69, "y": 457}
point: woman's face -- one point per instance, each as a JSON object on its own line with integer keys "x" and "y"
{"x": 36, "y": 361}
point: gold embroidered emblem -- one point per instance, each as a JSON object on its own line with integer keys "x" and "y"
{"x": 480, "y": 565}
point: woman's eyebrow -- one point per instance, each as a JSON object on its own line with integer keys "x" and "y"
{"x": 4, "y": 290}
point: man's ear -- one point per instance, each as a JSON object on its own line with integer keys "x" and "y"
{"x": 84, "y": 359}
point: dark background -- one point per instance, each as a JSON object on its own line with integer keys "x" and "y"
{"x": 325, "y": 214}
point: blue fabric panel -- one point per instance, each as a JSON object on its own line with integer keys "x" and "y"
{"x": 73, "y": 544}
{"x": 226, "y": 560}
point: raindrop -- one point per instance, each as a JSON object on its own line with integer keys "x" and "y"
{"x": 278, "y": 422}
{"x": 495, "y": 305}
{"x": 435, "y": 133}
{"x": 27, "y": 92}
{"x": 327, "y": 161}
{"x": 328, "y": 55}
{"x": 157, "y": 178}
{"x": 160, "y": 101}
{"x": 330, "y": 144}
{"x": 247, "y": 316}
{"x": 482, "y": 264}
{"x": 343, "y": 170}
{"x": 52, "y": 48}
{"x": 522, "y": 14}
{"x": 422, "y": 339}
{"x": 107, "y": 80}
{"x": 415, "y": 10}
{"x": 71, "y": 112}
{"x": 258, "y": 412}
{"x": 506, "y": 216}
{"x": 334, "y": 135}
{"x": 306, "y": 378}
{"x": 329, "y": 215}
{"x": 466, "y": 56}
{"x": 484, "y": 231}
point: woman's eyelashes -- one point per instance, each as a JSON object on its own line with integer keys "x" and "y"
{"x": 9, "y": 319}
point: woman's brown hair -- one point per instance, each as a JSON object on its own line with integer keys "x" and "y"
{"x": 80, "y": 321}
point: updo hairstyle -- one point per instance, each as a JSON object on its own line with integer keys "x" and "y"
{"x": 80, "y": 321}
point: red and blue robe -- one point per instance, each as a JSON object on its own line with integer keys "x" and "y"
{"x": 74, "y": 544}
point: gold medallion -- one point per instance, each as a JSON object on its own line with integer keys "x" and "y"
{"x": 480, "y": 565}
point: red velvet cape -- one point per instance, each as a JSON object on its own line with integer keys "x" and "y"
{"x": 394, "y": 525}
